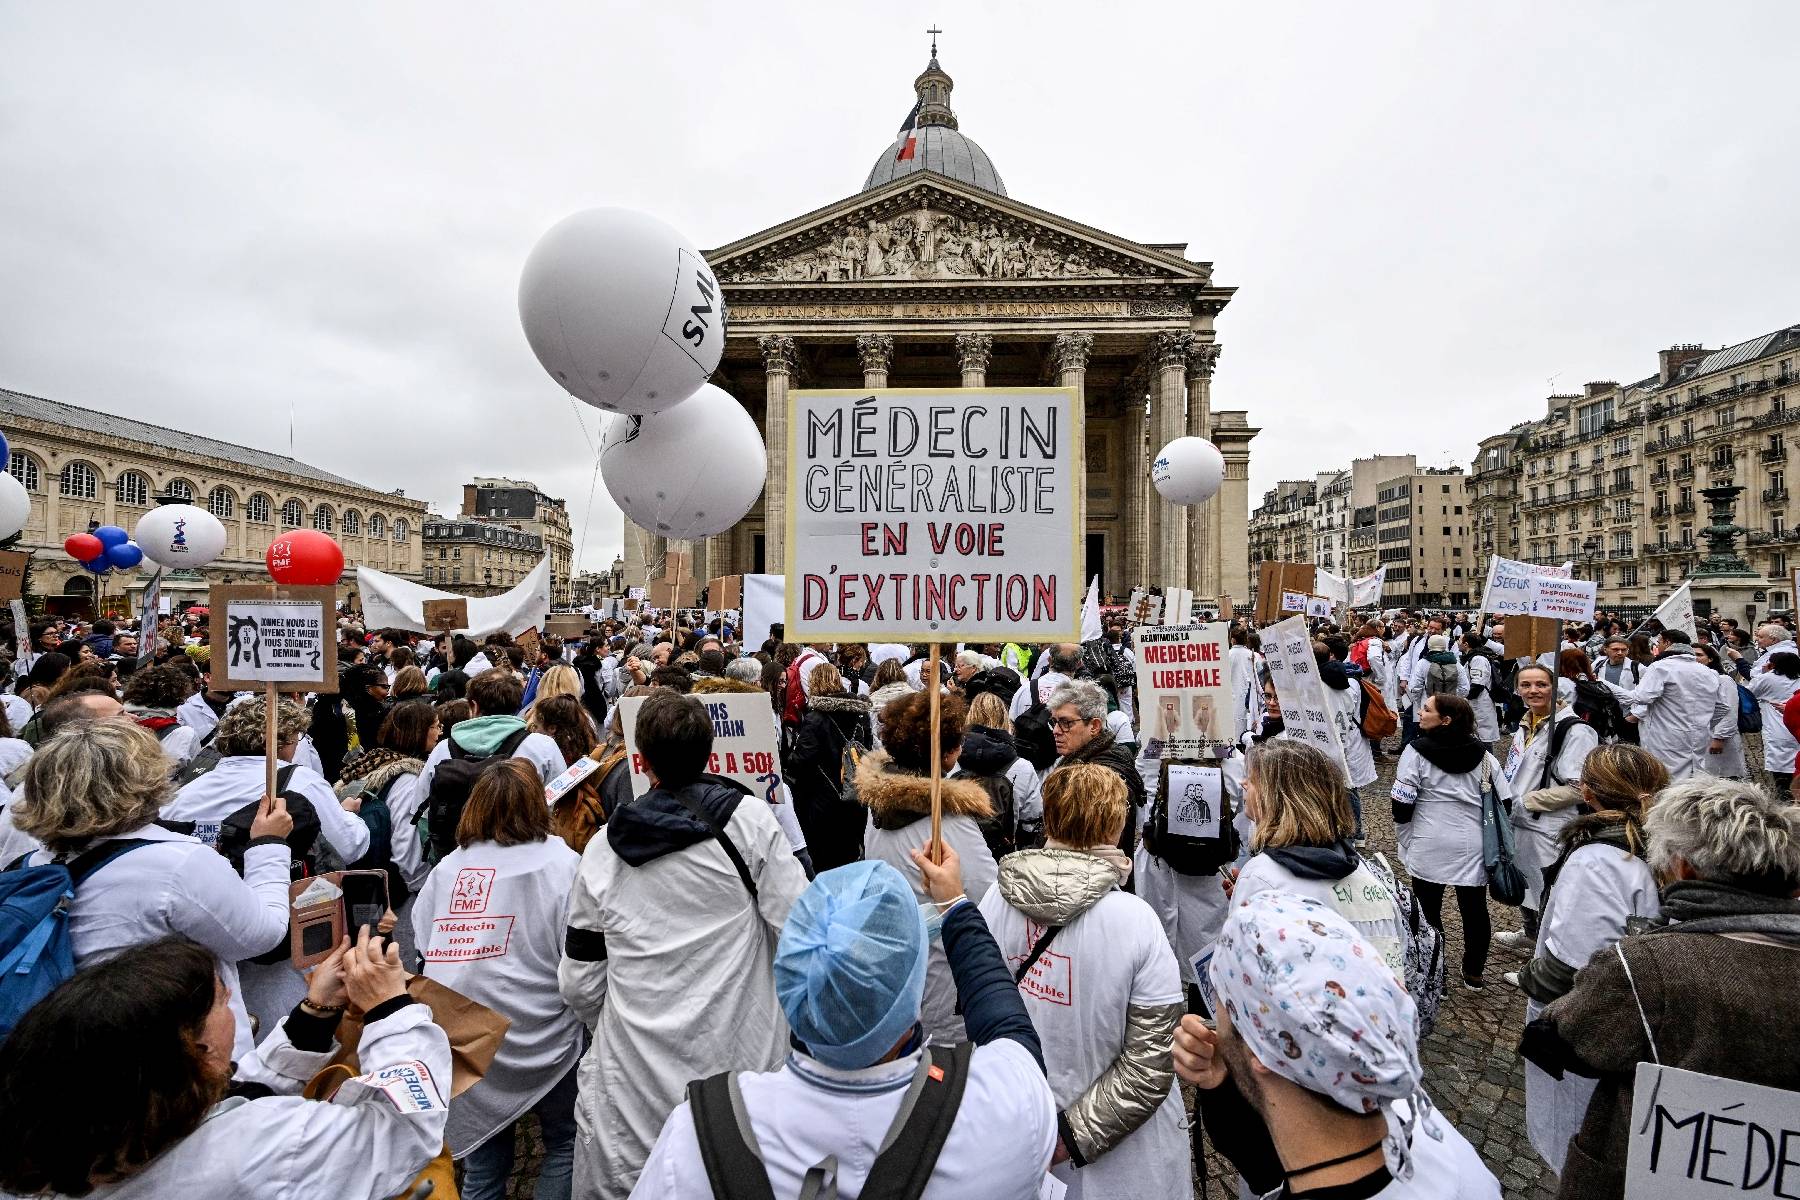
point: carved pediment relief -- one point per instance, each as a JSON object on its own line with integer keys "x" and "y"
{"x": 928, "y": 234}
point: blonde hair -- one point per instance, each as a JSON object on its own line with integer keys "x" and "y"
{"x": 93, "y": 780}
{"x": 1084, "y": 805}
{"x": 560, "y": 680}
{"x": 1624, "y": 780}
{"x": 989, "y": 710}
{"x": 825, "y": 680}
{"x": 1300, "y": 797}
{"x": 409, "y": 682}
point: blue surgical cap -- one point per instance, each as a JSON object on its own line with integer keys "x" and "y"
{"x": 850, "y": 968}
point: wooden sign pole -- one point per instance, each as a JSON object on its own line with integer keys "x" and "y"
{"x": 936, "y": 689}
{"x": 271, "y": 701}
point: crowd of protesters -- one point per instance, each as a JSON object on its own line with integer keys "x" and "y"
{"x": 714, "y": 992}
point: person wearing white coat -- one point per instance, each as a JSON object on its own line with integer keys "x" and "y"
{"x": 496, "y": 699}
{"x": 1599, "y": 883}
{"x": 1675, "y": 707}
{"x": 1543, "y": 765}
{"x": 185, "y": 1127}
{"x": 849, "y": 971}
{"x": 668, "y": 953}
{"x": 1347, "y": 700}
{"x": 1437, "y": 797}
{"x": 109, "y": 779}
{"x": 1773, "y": 682}
{"x": 1480, "y": 666}
{"x": 1725, "y": 755}
{"x": 490, "y": 923}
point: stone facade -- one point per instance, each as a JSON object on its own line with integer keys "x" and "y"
{"x": 84, "y": 466}
{"x": 478, "y": 558}
{"x": 520, "y": 505}
{"x": 931, "y": 281}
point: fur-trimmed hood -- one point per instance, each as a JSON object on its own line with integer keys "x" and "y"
{"x": 854, "y": 705}
{"x": 897, "y": 797}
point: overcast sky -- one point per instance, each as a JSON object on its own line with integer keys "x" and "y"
{"x": 1435, "y": 215}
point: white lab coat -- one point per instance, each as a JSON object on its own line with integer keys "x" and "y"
{"x": 239, "y": 779}
{"x": 1442, "y": 843}
{"x": 1535, "y": 834}
{"x": 367, "y": 1144}
{"x": 1048, "y": 682}
{"x": 1772, "y": 692}
{"x": 1246, "y": 690}
{"x": 490, "y": 923}
{"x": 1729, "y": 762}
{"x": 538, "y": 749}
{"x": 1405, "y": 656}
{"x": 197, "y": 715}
{"x": 18, "y": 711}
{"x": 181, "y": 886}
{"x": 998, "y": 1147}
{"x": 1480, "y": 670}
{"x": 1599, "y": 889}
{"x": 1346, "y": 707}
{"x": 1677, "y": 705}
{"x": 14, "y": 752}
{"x": 686, "y": 989}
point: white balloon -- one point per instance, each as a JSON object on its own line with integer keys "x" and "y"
{"x": 15, "y": 505}
{"x": 687, "y": 472}
{"x": 179, "y": 535}
{"x": 622, "y": 311}
{"x": 1188, "y": 471}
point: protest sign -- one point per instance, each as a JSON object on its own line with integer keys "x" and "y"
{"x": 1275, "y": 581}
{"x": 1293, "y": 602}
{"x": 1184, "y": 688}
{"x": 21, "y": 629}
{"x": 1318, "y": 606}
{"x": 263, "y": 636}
{"x": 765, "y": 597}
{"x": 1287, "y": 649}
{"x": 1511, "y": 584}
{"x": 1195, "y": 800}
{"x": 929, "y": 515}
{"x": 743, "y": 742}
{"x": 147, "y": 639}
{"x": 1144, "y": 608}
{"x": 637, "y": 593}
{"x": 1677, "y": 612}
{"x": 1694, "y": 1136}
{"x": 12, "y": 573}
{"x": 1334, "y": 588}
{"x": 566, "y": 625}
{"x": 1528, "y": 637}
{"x": 1178, "y": 606}
{"x": 1564, "y": 599}
{"x": 445, "y": 616}
{"x": 725, "y": 593}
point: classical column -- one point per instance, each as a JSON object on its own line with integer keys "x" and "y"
{"x": 1069, "y": 354}
{"x": 1168, "y": 421}
{"x": 876, "y": 352}
{"x": 976, "y": 350}
{"x": 779, "y": 356}
{"x": 1203, "y": 519}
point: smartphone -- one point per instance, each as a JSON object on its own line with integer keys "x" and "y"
{"x": 325, "y": 909}
{"x": 365, "y": 900}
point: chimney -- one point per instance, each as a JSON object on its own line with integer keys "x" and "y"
{"x": 1601, "y": 386}
{"x": 468, "y": 500}
{"x": 1669, "y": 362}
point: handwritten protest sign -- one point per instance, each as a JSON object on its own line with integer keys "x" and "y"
{"x": 1184, "y": 687}
{"x": 1564, "y": 599}
{"x": 935, "y": 515}
{"x": 287, "y": 639}
{"x": 1694, "y": 1136}
{"x": 1512, "y": 585}
{"x": 1287, "y": 649}
{"x": 743, "y": 742}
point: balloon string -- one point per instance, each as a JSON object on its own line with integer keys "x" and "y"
{"x": 586, "y": 517}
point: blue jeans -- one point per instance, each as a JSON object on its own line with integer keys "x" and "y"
{"x": 1356, "y": 807}
{"x": 487, "y": 1169}
{"x": 1409, "y": 727}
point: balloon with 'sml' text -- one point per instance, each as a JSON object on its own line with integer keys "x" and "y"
{"x": 920, "y": 515}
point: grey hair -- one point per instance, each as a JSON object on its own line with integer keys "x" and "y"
{"x": 973, "y": 658}
{"x": 97, "y": 779}
{"x": 1087, "y": 698}
{"x": 1728, "y": 832}
{"x": 1065, "y": 658}
{"x": 744, "y": 670}
{"x": 1778, "y": 632}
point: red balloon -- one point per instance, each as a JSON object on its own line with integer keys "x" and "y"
{"x": 83, "y": 547}
{"x": 306, "y": 558}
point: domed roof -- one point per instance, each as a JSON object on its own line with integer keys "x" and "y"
{"x": 942, "y": 149}
{"x": 936, "y": 144}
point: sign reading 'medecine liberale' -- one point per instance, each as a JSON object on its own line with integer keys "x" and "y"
{"x": 918, "y": 514}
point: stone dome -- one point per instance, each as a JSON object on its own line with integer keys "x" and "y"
{"x": 938, "y": 146}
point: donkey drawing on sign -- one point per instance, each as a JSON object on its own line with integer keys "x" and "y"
{"x": 246, "y": 641}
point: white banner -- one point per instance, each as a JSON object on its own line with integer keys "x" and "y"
{"x": 1184, "y": 688}
{"x": 935, "y": 515}
{"x": 1366, "y": 592}
{"x": 1677, "y": 612}
{"x": 1512, "y": 587}
{"x": 390, "y": 602}
{"x": 764, "y": 600}
{"x": 1334, "y": 588}
{"x": 743, "y": 742}
{"x": 1564, "y": 599}
{"x": 1287, "y": 649}
{"x": 1694, "y": 1136}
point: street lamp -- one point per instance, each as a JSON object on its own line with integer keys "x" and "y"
{"x": 1592, "y": 547}
{"x": 617, "y": 573}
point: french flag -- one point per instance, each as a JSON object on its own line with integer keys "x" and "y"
{"x": 909, "y": 135}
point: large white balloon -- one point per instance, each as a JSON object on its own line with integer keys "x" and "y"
{"x": 15, "y": 505}
{"x": 687, "y": 472}
{"x": 1188, "y": 471}
{"x": 622, "y": 311}
{"x": 180, "y": 535}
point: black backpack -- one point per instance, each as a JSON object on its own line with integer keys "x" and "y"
{"x": 379, "y": 818}
{"x": 204, "y": 759}
{"x": 1001, "y": 830}
{"x": 1032, "y": 737}
{"x": 907, "y": 1155}
{"x": 451, "y": 784}
{"x": 1186, "y": 855}
{"x": 1597, "y": 706}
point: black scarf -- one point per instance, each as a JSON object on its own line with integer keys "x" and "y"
{"x": 1696, "y": 899}
{"x": 1457, "y": 756}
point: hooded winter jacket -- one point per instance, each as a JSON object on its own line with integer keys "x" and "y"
{"x": 1104, "y": 996}
{"x": 814, "y": 767}
{"x": 989, "y": 756}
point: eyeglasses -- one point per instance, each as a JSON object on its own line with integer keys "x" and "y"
{"x": 1067, "y": 723}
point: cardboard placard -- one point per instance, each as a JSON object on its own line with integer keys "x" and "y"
{"x": 529, "y": 642}
{"x": 445, "y": 616}
{"x": 12, "y": 573}
{"x": 725, "y": 593}
{"x": 1528, "y": 637}
{"x": 744, "y": 745}
{"x": 271, "y": 636}
{"x": 1184, "y": 688}
{"x": 1694, "y": 1136}
{"x": 674, "y": 593}
{"x": 1276, "y": 579}
{"x": 935, "y": 515}
{"x": 566, "y": 625}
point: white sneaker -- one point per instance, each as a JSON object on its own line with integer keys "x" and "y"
{"x": 1512, "y": 939}
{"x": 1511, "y": 977}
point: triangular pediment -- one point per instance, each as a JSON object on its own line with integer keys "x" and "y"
{"x": 927, "y": 227}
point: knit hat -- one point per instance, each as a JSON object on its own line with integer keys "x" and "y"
{"x": 1437, "y": 642}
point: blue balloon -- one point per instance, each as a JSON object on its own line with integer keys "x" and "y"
{"x": 111, "y": 535}
{"x": 124, "y": 556}
{"x": 98, "y": 566}
{"x": 5, "y": 450}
